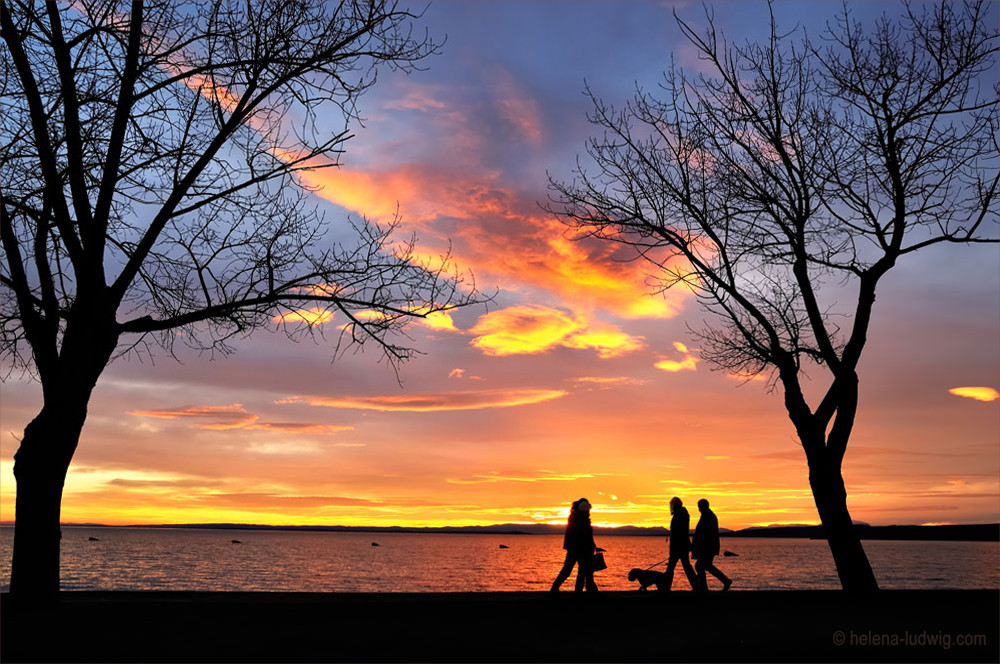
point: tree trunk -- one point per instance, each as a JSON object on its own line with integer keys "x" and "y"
{"x": 49, "y": 442}
{"x": 828, "y": 489}
{"x": 40, "y": 467}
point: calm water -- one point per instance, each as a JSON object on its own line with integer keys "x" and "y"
{"x": 154, "y": 559}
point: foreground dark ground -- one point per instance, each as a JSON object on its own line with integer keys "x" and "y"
{"x": 895, "y": 625}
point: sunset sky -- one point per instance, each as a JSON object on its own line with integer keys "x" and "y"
{"x": 574, "y": 381}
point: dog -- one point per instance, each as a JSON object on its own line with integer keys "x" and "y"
{"x": 647, "y": 578}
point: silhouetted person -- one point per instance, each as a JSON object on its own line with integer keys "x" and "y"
{"x": 580, "y": 548}
{"x": 706, "y": 547}
{"x": 680, "y": 542}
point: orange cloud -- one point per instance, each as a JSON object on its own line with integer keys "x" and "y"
{"x": 459, "y": 374}
{"x": 439, "y": 321}
{"x": 542, "y": 476}
{"x": 225, "y": 416}
{"x": 977, "y": 393}
{"x": 370, "y": 315}
{"x": 607, "y": 340}
{"x": 297, "y": 427}
{"x": 319, "y": 289}
{"x": 500, "y": 239}
{"x": 243, "y": 423}
{"x": 234, "y": 416}
{"x": 415, "y": 195}
{"x": 590, "y": 270}
{"x": 311, "y": 317}
{"x": 531, "y": 329}
{"x": 608, "y": 381}
{"x": 746, "y": 376}
{"x": 435, "y": 402}
{"x": 201, "y": 83}
{"x": 688, "y": 363}
{"x": 524, "y": 329}
{"x": 213, "y": 92}
{"x": 504, "y": 241}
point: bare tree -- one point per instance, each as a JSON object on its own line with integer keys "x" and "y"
{"x": 151, "y": 156}
{"x": 793, "y": 169}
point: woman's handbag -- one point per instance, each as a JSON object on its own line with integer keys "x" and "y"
{"x": 597, "y": 563}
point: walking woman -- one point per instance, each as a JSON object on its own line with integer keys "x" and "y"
{"x": 680, "y": 543}
{"x": 580, "y": 548}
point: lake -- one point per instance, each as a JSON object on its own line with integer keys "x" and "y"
{"x": 194, "y": 559}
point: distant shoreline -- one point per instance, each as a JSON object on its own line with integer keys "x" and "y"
{"x": 987, "y": 532}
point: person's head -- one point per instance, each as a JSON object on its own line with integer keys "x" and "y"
{"x": 582, "y": 505}
{"x": 675, "y": 502}
{"x": 703, "y": 505}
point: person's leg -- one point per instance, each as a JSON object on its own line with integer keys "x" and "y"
{"x": 717, "y": 573}
{"x": 699, "y": 569}
{"x": 586, "y": 573}
{"x": 692, "y": 579}
{"x": 670, "y": 571}
{"x": 564, "y": 572}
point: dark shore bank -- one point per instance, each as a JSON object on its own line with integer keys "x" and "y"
{"x": 979, "y": 532}
{"x": 782, "y": 626}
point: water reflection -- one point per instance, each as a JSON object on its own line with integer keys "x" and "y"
{"x": 154, "y": 559}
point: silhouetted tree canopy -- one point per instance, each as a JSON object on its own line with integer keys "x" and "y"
{"x": 799, "y": 167}
{"x": 150, "y": 157}
{"x": 150, "y": 190}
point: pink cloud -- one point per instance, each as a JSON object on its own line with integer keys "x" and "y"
{"x": 234, "y": 416}
{"x": 436, "y": 401}
{"x": 516, "y": 106}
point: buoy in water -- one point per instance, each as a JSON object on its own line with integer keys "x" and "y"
{"x": 504, "y": 546}
{"x": 237, "y": 542}
{"x": 93, "y": 539}
{"x": 374, "y": 543}
{"x": 730, "y": 554}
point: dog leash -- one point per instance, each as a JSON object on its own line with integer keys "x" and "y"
{"x": 659, "y": 563}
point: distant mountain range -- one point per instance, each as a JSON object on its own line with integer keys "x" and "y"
{"x": 981, "y": 532}
{"x": 985, "y": 532}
